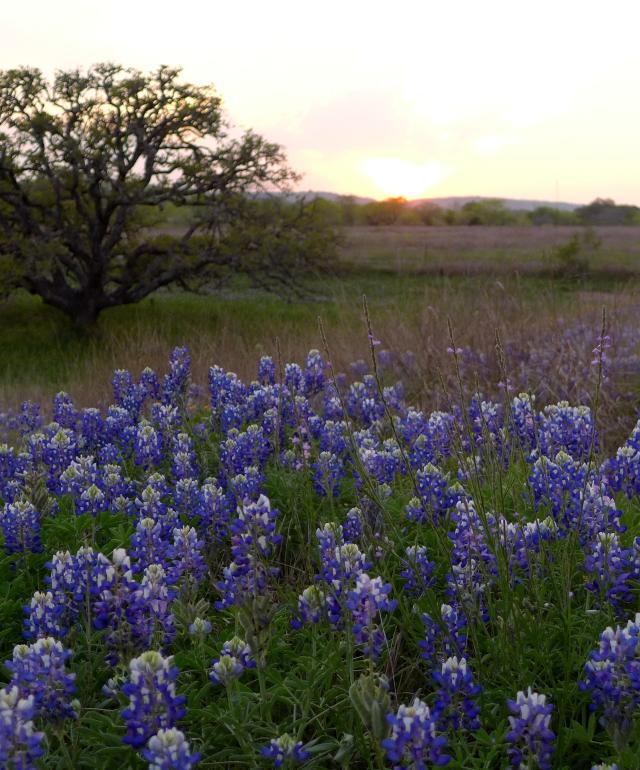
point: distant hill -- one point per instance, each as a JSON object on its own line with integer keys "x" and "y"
{"x": 452, "y": 202}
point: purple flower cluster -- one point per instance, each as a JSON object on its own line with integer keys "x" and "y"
{"x": 612, "y": 676}
{"x": 153, "y": 703}
{"x": 415, "y": 741}
{"x": 20, "y": 742}
{"x": 235, "y": 658}
{"x": 367, "y": 600}
{"x": 530, "y": 738}
{"x": 169, "y": 750}
{"x": 39, "y": 672}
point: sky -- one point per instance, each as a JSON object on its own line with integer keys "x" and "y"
{"x": 510, "y": 98}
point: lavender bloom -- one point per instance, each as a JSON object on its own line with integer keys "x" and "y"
{"x": 153, "y": 703}
{"x": 169, "y": 750}
{"x": 530, "y": 738}
{"x": 455, "y": 699}
{"x": 366, "y": 601}
{"x": 39, "y": 671}
{"x": 20, "y": 743}
{"x": 414, "y": 741}
{"x": 284, "y": 749}
{"x": 20, "y": 524}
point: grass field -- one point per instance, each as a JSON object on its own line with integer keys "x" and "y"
{"x": 613, "y": 251}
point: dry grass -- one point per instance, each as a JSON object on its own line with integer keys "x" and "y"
{"x": 548, "y": 335}
{"x": 472, "y": 250}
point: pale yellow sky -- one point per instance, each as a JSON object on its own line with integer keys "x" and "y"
{"x": 500, "y": 97}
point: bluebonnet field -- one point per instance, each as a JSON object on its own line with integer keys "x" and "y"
{"x": 305, "y": 570}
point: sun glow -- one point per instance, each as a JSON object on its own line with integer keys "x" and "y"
{"x": 398, "y": 177}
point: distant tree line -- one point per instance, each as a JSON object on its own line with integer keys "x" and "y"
{"x": 347, "y": 211}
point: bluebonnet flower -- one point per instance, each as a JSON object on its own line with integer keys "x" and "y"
{"x": 39, "y": 670}
{"x": 70, "y": 579}
{"x": 149, "y": 383}
{"x": 147, "y": 445}
{"x": 293, "y": 378}
{"x": 174, "y": 383}
{"x": 414, "y": 742}
{"x": 312, "y": 605}
{"x": 43, "y": 616}
{"x": 91, "y": 428}
{"x": 530, "y": 738}
{"x": 168, "y": 749}
{"x": 30, "y": 417}
{"x": 187, "y": 563}
{"x": 149, "y": 613}
{"x": 608, "y": 568}
{"x": 247, "y": 485}
{"x": 133, "y": 615}
{"x": 353, "y": 529}
{"x": 20, "y": 743}
{"x": 183, "y": 457}
{"x": 612, "y": 677}
{"x": 366, "y": 601}
{"x": 328, "y": 471}
{"x": 200, "y": 627}
{"x": 284, "y": 749}
{"x": 313, "y": 375}
{"x": 455, "y": 699}
{"x": 437, "y": 497}
{"x": 59, "y": 449}
{"x": 252, "y": 543}
{"x": 267, "y": 371}
{"x": 445, "y": 636}
{"x": 153, "y": 703}
{"x": 235, "y": 658}
{"x": 214, "y": 511}
{"x": 64, "y": 411}
{"x": 148, "y": 544}
{"x": 418, "y": 570}
{"x": 331, "y": 435}
{"x": 567, "y": 428}
{"x": 20, "y": 524}
{"x": 523, "y": 422}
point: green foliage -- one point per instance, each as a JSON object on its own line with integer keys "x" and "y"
{"x": 604, "y": 211}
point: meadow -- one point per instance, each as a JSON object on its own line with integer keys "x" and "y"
{"x": 417, "y": 545}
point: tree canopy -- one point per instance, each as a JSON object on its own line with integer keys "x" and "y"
{"x": 87, "y": 162}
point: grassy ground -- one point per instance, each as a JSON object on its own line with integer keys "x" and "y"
{"x": 40, "y": 353}
{"x": 498, "y": 250}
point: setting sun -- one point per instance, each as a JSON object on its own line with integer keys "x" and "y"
{"x": 398, "y": 177}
